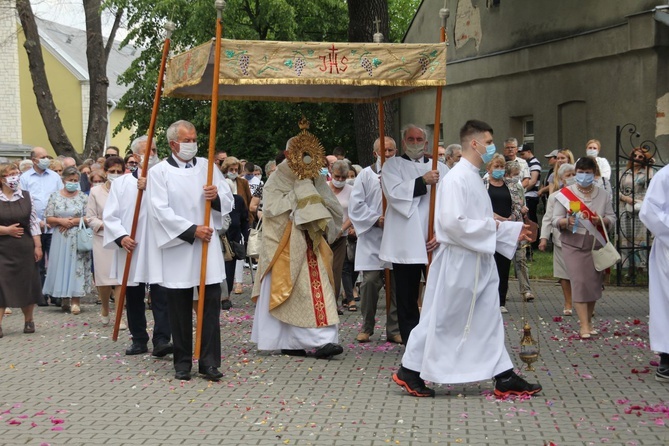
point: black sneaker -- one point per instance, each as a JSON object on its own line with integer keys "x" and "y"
{"x": 136, "y": 349}
{"x": 412, "y": 383}
{"x": 226, "y": 304}
{"x": 515, "y": 385}
{"x": 162, "y": 350}
{"x": 662, "y": 374}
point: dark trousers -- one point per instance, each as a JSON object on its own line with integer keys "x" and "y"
{"x": 348, "y": 277}
{"x": 532, "y": 204}
{"x": 503, "y": 268}
{"x": 135, "y": 311}
{"x": 338, "y": 256}
{"x": 180, "y": 304}
{"x": 46, "y": 247}
{"x": 407, "y": 283}
{"x": 230, "y": 274}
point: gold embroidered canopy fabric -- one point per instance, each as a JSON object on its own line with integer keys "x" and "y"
{"x": 307, "y": 71}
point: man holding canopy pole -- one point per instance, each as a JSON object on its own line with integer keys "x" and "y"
{"x": 177, "y": 193}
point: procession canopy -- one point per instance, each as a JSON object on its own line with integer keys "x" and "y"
{"x": 307, "y": 71}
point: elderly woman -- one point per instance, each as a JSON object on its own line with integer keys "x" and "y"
{"x": 632, "y": 190}
{"x": 342, "y": 191}
{"x": 577, "y": 240}
{"x": 56, "y": 166}
{"x": 507, "y": 205}
{"x": 231, "y": 168}
{"x": 102, "y": 258}
{"x": 20, "y": 249}
{"x": 565, "y": 175}
{"x": 69, "y": 273}
{"x": 564, "y": 156}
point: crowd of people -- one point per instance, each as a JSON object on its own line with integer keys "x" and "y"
{"x": 335, "y": 241}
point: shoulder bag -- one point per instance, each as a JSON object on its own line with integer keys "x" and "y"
{"x": 607, "y": 256}
{"x": 84, "y": 236}
{"x": 254, "y": 241}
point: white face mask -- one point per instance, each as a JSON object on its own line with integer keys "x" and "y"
{"x": 570, "y": 181}
{"x": 187, "y": 150}
{"x": 442, "y": 159}
{"x": 113, "y": 176}
{"x": 43, "y": 163}
{"x": 12, "y": 182}
{"x": 232, "y": 175}
{"x": 592, "y": 153}
{"x": 338, "y": 184}
{"x": 414, "y": 150}
{"x": 350, "y": 181}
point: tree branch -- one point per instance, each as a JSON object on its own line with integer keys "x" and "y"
{"x": 112, "y": 34}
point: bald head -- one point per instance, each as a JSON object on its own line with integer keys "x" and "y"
{"x": 36, "y": 155}
{"x": 68, "y": 161}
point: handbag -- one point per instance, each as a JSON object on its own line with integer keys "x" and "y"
{"x": 227, "y": 249}
{"x": 607, "y": 256}
{"x": 254, "y": 241}
{"x": 238, "y": 250}
{"x": 84, "y": 237}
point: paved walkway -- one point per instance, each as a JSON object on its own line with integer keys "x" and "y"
{"x": 69, "y": 384}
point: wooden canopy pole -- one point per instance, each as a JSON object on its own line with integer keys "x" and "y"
{"x": 382, "y": 154}
{"x": 169, "y": 29}
{"x": 220, "y": 4}
{"x": 443, "y": 14}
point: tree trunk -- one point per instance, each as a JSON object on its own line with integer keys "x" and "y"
{"x": 361, "y": 28}
{"x": 47, "y": 108}
{"x": 97, "y": 75}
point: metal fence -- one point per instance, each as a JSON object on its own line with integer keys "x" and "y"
{"x": 631, "y": 180}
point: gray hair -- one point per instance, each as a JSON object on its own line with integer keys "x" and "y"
{"x": 257, "y": 167}
{"x": 341, "y": 166}
{"x": 452, "y": 148}
{"x": 510, "y": 166}
{"x": 513, "y": 140}
{"x": 388, "y": 141}
{"x": 69, "y": 171}
{"x": 25, "y": 165}
{"x": 172, "y": 132}
{"x": 270, "y": 165}
{"x": 412, "y": 126}
{"x": 134, "y": 145}
{"x": 565, "y": 169}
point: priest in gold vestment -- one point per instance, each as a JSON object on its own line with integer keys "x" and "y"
{"x": 296, "y": 311}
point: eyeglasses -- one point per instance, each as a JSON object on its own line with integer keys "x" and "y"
{"x": 132, "y": 163}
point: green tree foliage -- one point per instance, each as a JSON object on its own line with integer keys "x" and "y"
{"x": 252, "y": 130}
{"x": 401, "y": 14}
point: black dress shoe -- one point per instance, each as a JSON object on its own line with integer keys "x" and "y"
{"x": 43, "y": 304}
{"x": 211, "y": 373}
{"x": 328, "y": 351}
{"x": 136, "y": 349}
{"x": 293, "y": 352}
{"x": 226, "y": 304}
{"x": 182, "y": 375}
{"x": 162, "y": 350}
{"x": 57, "y": 301}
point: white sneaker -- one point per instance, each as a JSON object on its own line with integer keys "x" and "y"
{"x": 246, "y": 265}
{"x": 104, "y": 320}
{"x": 502, "y": 309}
{"x": 122, "y": 326}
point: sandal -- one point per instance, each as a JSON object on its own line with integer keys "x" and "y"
{"x": 352, "y": 307}
{"x": 567, "y": 311}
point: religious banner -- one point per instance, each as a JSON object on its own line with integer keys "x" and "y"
{"x": 307, "y": 71}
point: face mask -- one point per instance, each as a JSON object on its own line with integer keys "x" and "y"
{"x": 489, "y": 153}
{"x": 72, "y": 187}
{"x": 258, "y": 176}
{"x": 414, "y": 150}
{"x": 516, "y": 179}
{"x": 350, "y": 181}
{"x": 12, "y": 182}
{"x": 378, "y": 164}
{"x": 96, "y": 184}
{"x": 132, "y": 168}
{"x": 324, "y": 171}
{"x": 43, "y": 163}
{"x": 498, "y": 174}
{"x": 338, "y": 184}
{"x": 592, "y": 153}
{"x": 442, "y": 159}
{"x": 570, "y": 181}
{"x": 113, "y": 176}
{"x": 232, "y": 175}
{"x": 187, "y": 150}
{"x": 585, "y": 179}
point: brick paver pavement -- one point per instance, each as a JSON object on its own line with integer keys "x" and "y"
{"x": 69, "y": 384}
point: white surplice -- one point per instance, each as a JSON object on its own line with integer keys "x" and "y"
{"x": 405, "y": 226}
{"x": 460, "y": 336}
{"x": 117, "y": 217}
{"x": 654, "y": 215}
{"x": 176, "y": 202}
{"x": 364, "y": 209}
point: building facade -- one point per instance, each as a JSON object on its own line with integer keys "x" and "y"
{"x": 552, "y": 73}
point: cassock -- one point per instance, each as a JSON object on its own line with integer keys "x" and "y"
{"x": 117, "y": 216}
{"x": 405, "y": 227}
{"x": 460, "y": 336}
{"x": 176, "y": 204}
{"x": 654, "y": 215}
{"x": 295, "y": 302}
{"x": 364, "y": 209}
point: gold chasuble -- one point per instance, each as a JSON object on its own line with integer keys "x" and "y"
{"x": 300, "y": 218}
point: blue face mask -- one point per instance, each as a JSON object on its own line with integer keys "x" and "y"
{"x": 489, "y": 153}
{"x": 324, "y": 171}
{"x": 585, "y": 179}
{"x": 498, "y": 174}
{"x": 72, "y": 187}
